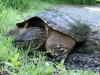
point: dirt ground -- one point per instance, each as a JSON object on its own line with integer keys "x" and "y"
{"x": 84, "y": 57}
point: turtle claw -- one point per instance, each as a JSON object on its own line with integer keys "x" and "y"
{"x": 59, "y": 52}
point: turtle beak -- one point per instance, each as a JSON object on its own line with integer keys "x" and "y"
{"x": 24, "y": 39}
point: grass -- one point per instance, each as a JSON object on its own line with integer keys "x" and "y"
{"x": 17, "y": 61}
{"x": 98, "y": 0}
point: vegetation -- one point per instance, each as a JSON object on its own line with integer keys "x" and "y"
{"x": 98, "y": 0}
{"x": 17, "y": 62}
{"x": 23, "y": 4}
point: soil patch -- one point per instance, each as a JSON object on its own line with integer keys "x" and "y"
{"x": 83, "y": 59}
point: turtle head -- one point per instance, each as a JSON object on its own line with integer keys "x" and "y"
{"x": 34, "y": 34}
{"x": 32, "y": 37}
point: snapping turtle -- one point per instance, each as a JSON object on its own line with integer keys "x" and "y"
{"x": 62, "y": 32}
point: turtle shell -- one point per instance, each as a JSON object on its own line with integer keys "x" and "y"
{"x": 59, "y": 21}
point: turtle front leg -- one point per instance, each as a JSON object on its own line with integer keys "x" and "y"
{"x": 59, "y": 45}
{"x": 58, "y": 51}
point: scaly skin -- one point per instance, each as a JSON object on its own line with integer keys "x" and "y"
{"x": 58, "y": 44}
{"x": 32, "y": 36}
